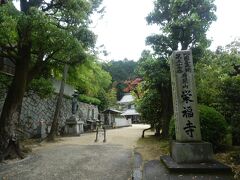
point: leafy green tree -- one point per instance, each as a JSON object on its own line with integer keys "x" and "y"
{"x": 40, "y": 34}
{"x": 120, "y": 86}
{"x": 150, "y": 107}
{"x": 213, "y": 68}
{"x": 207, "y": 70}
{"x": 182, "y": 23}
{"x": 108, "y": 99}
{"x": 103, "y": 97}
{"x": 112, "y": 97}
{"x": 230, "y": 105}
{"x": 218, "y": 84}
{"x": 42, "y": 87}
{"x": 89, "y": 78}
{"x": 156, "y": 75}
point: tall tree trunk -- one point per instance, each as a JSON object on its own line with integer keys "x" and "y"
{"x": 167, "y": 110}
{"x": 54, "y": 127}
{"x": 157, "y": 129}
{"x": 3, "y": 2}
{"x": 12, "y": 106}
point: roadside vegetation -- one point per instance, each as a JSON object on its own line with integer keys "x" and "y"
{"x": 43, "y": 37}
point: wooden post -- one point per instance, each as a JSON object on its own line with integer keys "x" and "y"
{"x": 96, "y": 140}
{"x": 105, "y": 139}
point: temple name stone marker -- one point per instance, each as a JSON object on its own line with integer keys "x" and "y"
{"x": 188, "y": 147}
{"x": 188, "y": 153}
{"x": 187, "y": 124}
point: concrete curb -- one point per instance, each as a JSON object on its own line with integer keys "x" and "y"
{"x": 137, "y": 167}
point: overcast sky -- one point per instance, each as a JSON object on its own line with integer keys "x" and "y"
{"x": 123, "y": 28}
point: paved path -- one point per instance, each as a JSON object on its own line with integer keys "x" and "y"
{"x": 79, "y": 158}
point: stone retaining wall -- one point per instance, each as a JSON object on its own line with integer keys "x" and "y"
{"x": 37, "y": 113}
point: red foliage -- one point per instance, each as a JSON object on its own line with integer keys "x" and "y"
{"x": 131, "y": 84}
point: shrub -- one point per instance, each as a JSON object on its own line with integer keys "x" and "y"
{"x": 89, "y": 100}
{"x": 213, "y": 126}
{"x": 229, "y": 105}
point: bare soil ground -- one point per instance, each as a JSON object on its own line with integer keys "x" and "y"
{"x": 79, "y": 158}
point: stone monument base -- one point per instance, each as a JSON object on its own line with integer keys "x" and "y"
{"x": 204, "y": 167}
{"x": 194, "y": 157}
{"x": 191, "y": 152}
{"x": 74, "y": 126}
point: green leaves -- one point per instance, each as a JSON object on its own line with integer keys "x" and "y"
{"x": 42, "y": 87}
{"x": 89, "y": 78}
{"x": 89, "y": 100}
{"x": 181, "y": 21}
{"x": 155, "y": 72}
{"x": 218, "y": 84}
{"x": 56, "y": 33}
{"x": 56, "y": 27}
{"x": 121, "y": 70}
{"x": 150, "y": 107}
{"x": 8, "y": 24}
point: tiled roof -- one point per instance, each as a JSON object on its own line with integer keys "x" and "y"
{"x": 130, "y": 112}
{"x": 127, "y": 98}
{"x": 112, "y": 111}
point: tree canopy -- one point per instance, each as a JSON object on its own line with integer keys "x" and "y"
{"x": 40, "y": 35}
{"x": 83, "y": 77}
{"x": 218, "y": 83}
{"x": 182, "y": 25}
{"x": 181, "y": 22}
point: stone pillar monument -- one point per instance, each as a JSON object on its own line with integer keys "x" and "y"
{"x": 184, "y": 97}
{"x": 74, "y": 125}
{"x": 189, "y": 153}
{"x": 188, "y": 146}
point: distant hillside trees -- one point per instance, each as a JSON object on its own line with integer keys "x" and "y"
{"x": 121, "y": 71}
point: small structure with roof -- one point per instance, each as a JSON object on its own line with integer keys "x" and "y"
{"x": 113, "y": 118}
{"x": 128, "y": 108}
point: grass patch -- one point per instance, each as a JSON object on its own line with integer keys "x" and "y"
{"x": 27, "y": 145}
{"x": 152, "y": 147}
{"x": 231, "y": 158}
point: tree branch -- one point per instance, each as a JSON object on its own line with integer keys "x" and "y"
{"x": 51, "y": 5}
{"x": 40, "y": 64}
{"x": 236, "y": 70}
{"x": 3, "y": 2}
{"x": 36, "y": 69}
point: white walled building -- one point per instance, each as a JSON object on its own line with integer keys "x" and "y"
{"x": 128, "y": 108}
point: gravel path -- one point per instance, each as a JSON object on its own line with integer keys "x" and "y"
{"x": 79, "y": 158}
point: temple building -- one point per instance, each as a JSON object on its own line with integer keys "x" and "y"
{"x": 127, "y": 106}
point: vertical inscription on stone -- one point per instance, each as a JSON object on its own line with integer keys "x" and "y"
{"x": 184, "y": 97}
